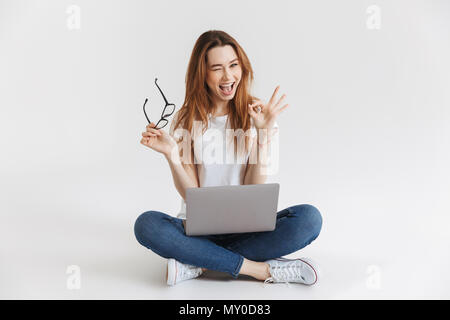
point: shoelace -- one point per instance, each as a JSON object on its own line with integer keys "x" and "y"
{"x": 289, "y": 271}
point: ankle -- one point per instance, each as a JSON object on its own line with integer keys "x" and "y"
{"x": 257, "y": 270}
{"x": 266, "y": 271}
{"x": 262, "y": 271}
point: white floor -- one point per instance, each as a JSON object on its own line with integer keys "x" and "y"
{"x": 360, "y": 257}
{"x": 125, "y": 271}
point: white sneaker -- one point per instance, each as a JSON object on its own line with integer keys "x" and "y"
{"x": 177, "y": 272}
{"x": 302, "y": 270}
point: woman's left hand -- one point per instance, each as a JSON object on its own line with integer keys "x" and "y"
{"x": 265, "y": 118}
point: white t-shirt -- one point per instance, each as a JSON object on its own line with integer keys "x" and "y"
{"x": 215, "y": 167}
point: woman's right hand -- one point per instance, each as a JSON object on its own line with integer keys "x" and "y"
{"x": 158, "y": 140}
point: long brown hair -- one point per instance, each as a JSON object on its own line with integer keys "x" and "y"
{"x": 198, "y": 102}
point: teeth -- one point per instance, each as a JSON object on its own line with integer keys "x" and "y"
{"x": 227, "y": 86}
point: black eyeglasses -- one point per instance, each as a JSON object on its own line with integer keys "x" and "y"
{"x": 167, "y": 111}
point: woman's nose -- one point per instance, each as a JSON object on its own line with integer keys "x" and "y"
{"x": 228, "y": 76}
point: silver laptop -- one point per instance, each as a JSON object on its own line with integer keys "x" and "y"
{"x": 231, "y": 209}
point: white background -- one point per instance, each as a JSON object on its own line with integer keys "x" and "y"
{"x": 365, "y": 139}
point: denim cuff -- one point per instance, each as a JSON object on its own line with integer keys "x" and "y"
{"x": 238, "y": 267}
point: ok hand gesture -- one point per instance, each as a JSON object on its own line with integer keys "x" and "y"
{"x": 265, "y": 118}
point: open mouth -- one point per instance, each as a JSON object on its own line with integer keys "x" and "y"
{"x": 227, "y": 88}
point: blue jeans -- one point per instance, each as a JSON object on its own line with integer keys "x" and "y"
{"x": 296, "y": 227}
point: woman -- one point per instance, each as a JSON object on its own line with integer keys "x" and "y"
{"x": 217, "y": 97}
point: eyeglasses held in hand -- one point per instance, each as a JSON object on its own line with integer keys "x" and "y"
{"x": 167, "y": 111}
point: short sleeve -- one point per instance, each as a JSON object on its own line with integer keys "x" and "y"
{"x": 177, "y": 133}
